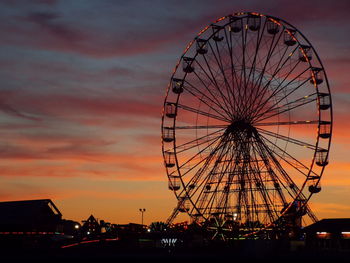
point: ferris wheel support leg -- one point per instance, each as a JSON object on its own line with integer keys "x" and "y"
{"x": 311, "y": 214}
{"x": 173, "y": 215}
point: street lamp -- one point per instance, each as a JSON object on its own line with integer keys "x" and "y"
{"x": 142, "y": 210}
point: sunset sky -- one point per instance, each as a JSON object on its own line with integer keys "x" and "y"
{"x": 82, "y": 88}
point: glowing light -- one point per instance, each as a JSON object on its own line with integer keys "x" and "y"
{"x": 71, "y": 245}
{"x": 235, "y": 216}
{"x": 89, "y": 241}
{"x": 76, "y": 226}
{"x": 321, "y": 233}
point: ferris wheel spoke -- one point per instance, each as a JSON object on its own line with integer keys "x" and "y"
{"x": 283, "y": 63}
{"x": 222, "y": 203}
{"x": 257, "y": 84}
{"x": 292, "y": 161}
{"x": 230, "y": 170}
{"x": 234, "y": 81}
{"x": 281, "y": 88}
{"x": 208, "y": 158}
{"x": 215, "y": 98}
{"x": 212, "y": 79}
{"x": 230, "y": 74}
{"x": 227, "y": 86}
{"x": 270, "y": 172}
{"x": 243, "y": 72}
{"x": 270, "y": 53}
{"x": 261, "y": 75}
{"x": 198, "y": 141}
{"x": 262, "y": 190}
{"x": 201, "y": 127}
{"x": 235, "y": 58}
{"x": 287, "y": 139}
{"x": 278, "y": 123}
{"x": 290, "y": 186}
{"x": 207, "y": 114}
{"x": 202, "y": 151}
{"x": 199, "y": 95}
{"x": 210, "y": 173}
{"x": 262, "y": 91}
{"x": 302, "y": 101}
{"x": 255, "y": 58}
{"x": 285, "y": 108}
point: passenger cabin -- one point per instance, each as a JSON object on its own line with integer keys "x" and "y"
{"x": 170, "y": 109}
{"x": 314, "y": 189}
{"x": 272, "y": 27}
{"x": 169, "y": 159}
{"x": 321, "y": 157}
{"x": 174, "y": 183}
{"x": 325, "y": 129}
{"x": 201, "y": 46}
{"x": 235, "y": 24}
{"x": 177, "y": 85}
{"x": 317, "y": 75}
{"x": 324, "y": 101}
{"x": 254, "y": 22}
{"x": 217, "y": 37}
{"x": 187, "y": 64}
{"x": 305, "y": 53}
{"x": 289, "y": 37}
{"x": 168, "y": 134}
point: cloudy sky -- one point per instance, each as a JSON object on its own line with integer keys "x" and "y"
{"x": 82, "y": 87}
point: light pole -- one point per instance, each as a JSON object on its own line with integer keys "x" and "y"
{"x": 142, "y": 210}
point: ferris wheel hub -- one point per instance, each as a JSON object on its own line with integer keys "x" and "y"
{"x": 241, "y": 126}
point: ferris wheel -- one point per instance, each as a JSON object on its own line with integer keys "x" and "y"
{"x": 247, "y": 123}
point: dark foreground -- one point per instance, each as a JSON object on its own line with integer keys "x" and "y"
{"x": 240, "y": 251}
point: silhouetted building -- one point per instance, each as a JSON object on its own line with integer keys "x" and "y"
{"x": 29, "y": 216}
{"x": 130, "y": 228}
{"x": 91, "y": 226}
{"x": 331, "y": 233}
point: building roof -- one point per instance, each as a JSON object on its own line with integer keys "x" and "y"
{"x": 330, "y": 225}
{"x": 27, "y": 211}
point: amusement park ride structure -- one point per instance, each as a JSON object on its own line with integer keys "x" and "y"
{"x": 246, "y": 126}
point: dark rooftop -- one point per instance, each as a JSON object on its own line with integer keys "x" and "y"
{"x": 330, "y": 225}
{"x": 17, "y": 212}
